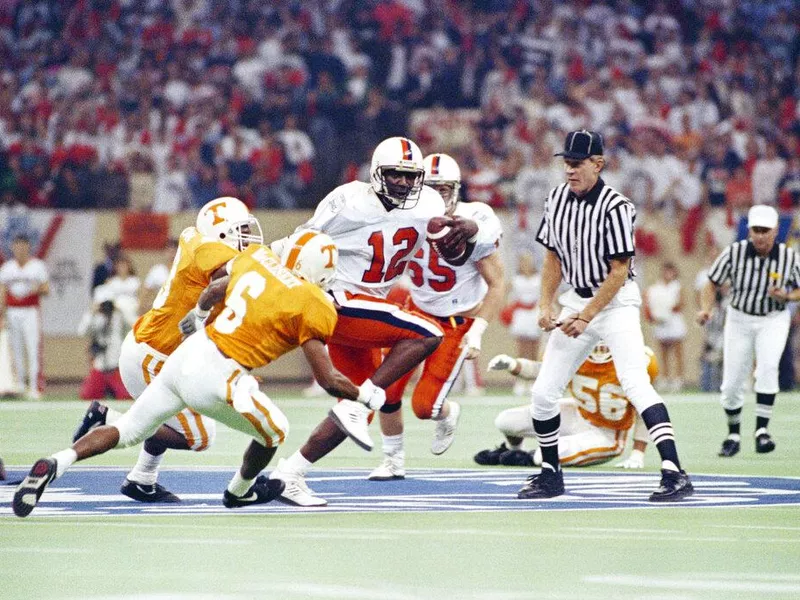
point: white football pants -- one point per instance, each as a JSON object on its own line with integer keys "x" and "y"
{"x": 138, "y": 365}
{"x": 579, "y": 444}
{"x": 747, "y": 337}
{"x": 198, "y": 376}
{"x": 619, "y": 326}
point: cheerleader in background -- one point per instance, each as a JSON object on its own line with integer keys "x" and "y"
{"x": 663, "y": 307}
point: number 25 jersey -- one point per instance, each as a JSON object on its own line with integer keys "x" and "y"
{"x": 374, "y": 244}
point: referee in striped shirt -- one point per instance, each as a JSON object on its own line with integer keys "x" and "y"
{"x": 587, "y": 230}
{"x": 763, "y": 275}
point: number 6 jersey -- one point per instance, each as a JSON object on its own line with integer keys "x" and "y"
{"x": 374, "y": 244}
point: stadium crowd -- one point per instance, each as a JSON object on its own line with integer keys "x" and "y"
{"x": 164, "y": 105}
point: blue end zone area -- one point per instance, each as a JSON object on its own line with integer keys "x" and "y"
{"x": 92, "y": 491}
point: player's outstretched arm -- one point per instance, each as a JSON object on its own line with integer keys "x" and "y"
{"x": 518, "y": 367}
{"x": 707, "y": 301}
{"x": 491, "y": 269}
{"x": 336, "y": 384}
{"x": 195, "y": 319}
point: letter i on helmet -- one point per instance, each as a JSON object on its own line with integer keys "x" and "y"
{"x": 311, "y": 255}
{"x": 443, "y": 174}
{"x": 228, "y": 220}
{"x": 398, "y": 155}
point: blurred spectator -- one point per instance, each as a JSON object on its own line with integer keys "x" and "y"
{"x": 105, "y": 268}
{"x": 106, "y": 327}
{"x": 157, "y": 276}
{"x": 711, "y": 354}
{"x": 767, "y": 174}
{"x": 789, "y": 186}
{"x": 123, "y": 288}
{"x": 663, "y": 307}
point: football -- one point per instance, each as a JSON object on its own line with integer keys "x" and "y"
{"x": 438, "y": 237}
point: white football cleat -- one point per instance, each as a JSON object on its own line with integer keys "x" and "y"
{"x": 446, "y": 430}
{"x": 296, "y": 492}
{"x": 351, "y": 418}
{"x": 392, "y": 468}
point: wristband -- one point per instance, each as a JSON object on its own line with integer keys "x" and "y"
{"x": 201, "y": 314}
{"x": 580, "y": 318}
{"x": 479, "y": 325}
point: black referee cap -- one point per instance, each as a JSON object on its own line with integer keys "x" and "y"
{"x": 582, "y": 144}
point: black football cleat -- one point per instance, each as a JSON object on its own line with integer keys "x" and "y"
{"x": 547, "y": 484}
{"x": 516, "y": 458}
{"x": 674, "y": 486}
{"x": 30, "y": 490}
{"x": 491, "y": 457}
{"x": 263, "y": 490}
{"x": 95, "y": 417}
{"x": 764, "y": 443}
{"x": 148, "y": 494}
{"x": 730, "y": 447}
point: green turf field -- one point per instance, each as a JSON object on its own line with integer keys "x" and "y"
{"x": 698, "y": 553}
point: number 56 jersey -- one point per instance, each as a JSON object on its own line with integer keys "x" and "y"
{"x": 374, "y": 244}
{"x": 601, "y": 400}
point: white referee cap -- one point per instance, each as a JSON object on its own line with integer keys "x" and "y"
{"x": 762, "y": 215}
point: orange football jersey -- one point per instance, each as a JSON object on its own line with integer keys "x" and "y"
{"x": 269, "y": 311}
{"x": 601, "y": 399}
{"x": 195, "y": 261}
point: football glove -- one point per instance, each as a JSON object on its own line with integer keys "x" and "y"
{"x": 371, "y": 396}
{"x": 503, "y": 362}
{"x": 194, "y": 320}
{"x": 634, "y": 461}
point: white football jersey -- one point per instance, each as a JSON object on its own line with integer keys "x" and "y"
{"x": 375, "y": 245}
{"x": 22, "y": 282}
{"x": 443, "y": 290}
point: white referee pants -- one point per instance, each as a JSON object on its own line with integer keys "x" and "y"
{"x": 25, "y": 338}
{"x": 619, "y": 326}
{"x": 748, "y": 337}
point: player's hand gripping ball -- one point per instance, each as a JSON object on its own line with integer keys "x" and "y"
{"x": 449, "y": 236}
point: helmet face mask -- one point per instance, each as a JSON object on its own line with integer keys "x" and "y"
{"x": 312, "y": 256}
{"x": 443, "y": 174}
{"x": 228, "y": 220}
{"x": 600, "y": 354}
{"x": 397, "y": 172}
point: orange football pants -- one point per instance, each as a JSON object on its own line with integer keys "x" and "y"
{"x": 367, "y": 324}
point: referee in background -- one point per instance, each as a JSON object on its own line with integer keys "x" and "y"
{"x": 764, "y": 276}
{"x": 587, "y": 230}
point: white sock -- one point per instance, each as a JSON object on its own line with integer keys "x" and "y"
{"x": 736, "y": 437}
{"x": 64, "y": 460}
{"x": 146, "y": 469}
{"x": 296, "y": 463}
{"x": 392, "y": 443}
{"x": 112, "y": 416}
{"x": 239, "y": 486}
{"x": 668, "y": 465}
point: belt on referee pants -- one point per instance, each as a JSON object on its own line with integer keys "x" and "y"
{"x": 584, "y": 292}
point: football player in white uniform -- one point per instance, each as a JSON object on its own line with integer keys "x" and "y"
{"x": 595, "y": 419}
{"x": 463, "y": 295}
{"x": 224, "y": 227}
{"x": 23, "y": 282}
{"x": 378, "y": 227}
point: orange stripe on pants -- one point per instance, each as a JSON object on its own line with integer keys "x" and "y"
{"x": 187, "y": 431}
{"x": 203, "y": 433}
{"x": 595, "y": 455}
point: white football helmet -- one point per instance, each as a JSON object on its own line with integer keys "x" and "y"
{"x": 311, "y": 255}
{"x": 442, "y": 170}
{"x": 397, "y": 154}
{"x": 600, "y": 353}
{"x": 228, "y": 220}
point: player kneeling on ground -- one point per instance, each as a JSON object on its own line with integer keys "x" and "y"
{"x": 268, "y": 311}
{"x": 595, "y": 419}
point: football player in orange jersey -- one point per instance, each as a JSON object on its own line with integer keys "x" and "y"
{"x": 595, "y": 419}
{"x": 268, "y": 311}
{"x": 223, "y": 228}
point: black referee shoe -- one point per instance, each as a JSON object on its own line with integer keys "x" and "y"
{"x": 764, "y": 443}
{"x": 547, "y": 484}
{"x": 730, "y": 447}
{"x": 674, "y": 486}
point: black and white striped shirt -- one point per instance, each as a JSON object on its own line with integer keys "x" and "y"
{"x": 751, "y": 275}
{"x": 586, "y": 233}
